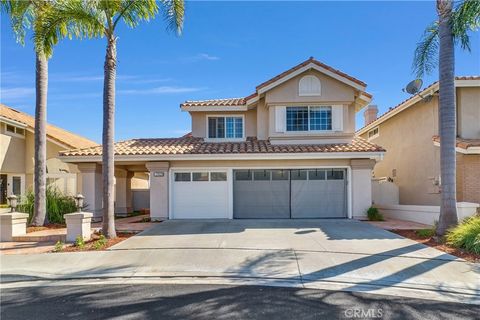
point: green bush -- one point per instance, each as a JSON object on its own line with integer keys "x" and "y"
{"x": 425, "y": 233}
{"x": 100, "y": 243}
{"x": 374, "y": 215}
{"x": 466, "y": 235}
{"x": 79, "y": 242}
{"x": 58, "y": 246}
{"x": 58, "y": 204}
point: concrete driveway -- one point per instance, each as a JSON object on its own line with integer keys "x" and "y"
{"x": 325, "y": 254}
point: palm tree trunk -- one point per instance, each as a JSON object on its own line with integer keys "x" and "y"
{"x": 40, "y": 157}
{"x": 447, "y": 119}
{"x": 108, "y": 164}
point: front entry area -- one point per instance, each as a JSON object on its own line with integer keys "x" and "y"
{"x": 289, "y": 193}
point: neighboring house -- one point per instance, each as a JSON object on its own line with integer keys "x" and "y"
{"x": 409, "y": 133}
{"x": 286, "y": 151}
{"x": 17, "y": 155}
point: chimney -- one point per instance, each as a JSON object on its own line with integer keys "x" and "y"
{"x": 370, "y": 114}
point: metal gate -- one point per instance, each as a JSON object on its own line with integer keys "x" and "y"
{"x": 289, "y": 193}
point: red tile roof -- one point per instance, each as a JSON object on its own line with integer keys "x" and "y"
{"x": 243, "y": 101}
{"x": 462, "y": 143}
{"x": 191, "y": 145}
{"x": 303, "y": 64}
{"x": 214, "y": 102}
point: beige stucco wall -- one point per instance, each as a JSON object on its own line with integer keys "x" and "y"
{"x": 407, "y": 137}
{"x": 258, "y": 163}
{"x": 12, "y": 152}
{"x": 468, "y": 102}
{"x": 331, "y": 91}
{"x": 199, "y": 122}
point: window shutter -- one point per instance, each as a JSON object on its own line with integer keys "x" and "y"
{"x": 280, "y": 118}
{"x": 337, "y": 118}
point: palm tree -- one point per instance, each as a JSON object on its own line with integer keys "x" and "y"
{"x": 24, "y": 14}
{"x": 101, "y": 18}
{"x": 437, "y": 47}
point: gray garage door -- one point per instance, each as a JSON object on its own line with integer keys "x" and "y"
{"x": 304, "y": 193}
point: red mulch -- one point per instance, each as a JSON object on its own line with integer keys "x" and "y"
{"x": 90, "y": 245}
{"x": 46, "y": 227}
{"x": 431, "y": 242}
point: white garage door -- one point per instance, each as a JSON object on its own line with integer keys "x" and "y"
{"x": 200, "y": 195}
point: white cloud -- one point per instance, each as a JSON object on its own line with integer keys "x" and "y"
{"x": 17, "y": 93}
{"x": 160, "y": 90}
{"x": 206, "y": 56}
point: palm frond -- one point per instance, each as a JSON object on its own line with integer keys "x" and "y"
{"x": 466, "y": 18}
{"x": 174, "y": 14}
{"x": 426, "y": 53}
{"x": 132, "y": 12}
{"x": 21, "y": 14}
{"x": 68, "y": 18}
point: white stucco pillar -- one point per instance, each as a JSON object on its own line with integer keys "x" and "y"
{"x": 123, "y": 201}
{"x": 92, "y": 188}
{"x": 158, "y": 190}
{"x": 361, "y": 186}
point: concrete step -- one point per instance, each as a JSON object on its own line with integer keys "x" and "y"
{"x": 33, "y": 237}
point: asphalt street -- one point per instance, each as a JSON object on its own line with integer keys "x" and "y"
{"x": 184, "y": 301}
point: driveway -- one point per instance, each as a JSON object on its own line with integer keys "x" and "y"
{"x": 323, "y": 254}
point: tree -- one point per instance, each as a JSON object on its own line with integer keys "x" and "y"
{"x": 100, "y": 18}
{"x": 437, "y": 48}
{"x": 23, "y": 15}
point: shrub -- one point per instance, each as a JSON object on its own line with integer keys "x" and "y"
{"x": 100, "y": 243}
{"x": 79, "y": 242}
{"x": 374, "y": 215}
{"x": 466, "y": 235}
{"x": 58, "y": 246}
{"x": 425, "y": 233}
{"x": 58, "y": 204}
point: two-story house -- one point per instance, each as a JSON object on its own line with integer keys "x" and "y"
{"x": 409, "y": 132}
{"x": 286, "y": 151}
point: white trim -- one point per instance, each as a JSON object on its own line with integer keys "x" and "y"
{"x": 215, "y": 108}
{"x": 10, "y": 182}
{"x": 309, "y": 66}
{"x": 467, "y": 83}
{"x": 60, "y": 144}
{"x": 280, "y": 119}
{"x": 253, "y": 100}
{"x": 377, "y": 155}
{"x": 13, "y": 122}
{"x": 207, "y": 139}
{"x": 304, "y": 92}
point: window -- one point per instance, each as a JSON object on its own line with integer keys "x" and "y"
{"x": 280, "y": 174}
{"x": 299, "y": 175}
{"x": 16, "y": 130}
{"x": 335, "y": 175}
{"x": 16, "y": 186}
{"x": 218, "y": 176}
{"x": 373, "y": 133}
{"x": 309, "y": 118}
{"x": 309, "y": 86}
{"x": 225, "y": 127}
{"x": 261, "y": 175}
{"x": 316, "y": 175}
{"x": 243, "y": 175}
{"x": 182, "y": 176}
{"x": 200, "y": 176}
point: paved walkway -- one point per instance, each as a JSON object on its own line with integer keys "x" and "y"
{"x": 323, "y": 254}
{"x": 44, "y": 240}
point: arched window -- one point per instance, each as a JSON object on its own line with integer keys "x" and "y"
{"x": 309, "y": 86}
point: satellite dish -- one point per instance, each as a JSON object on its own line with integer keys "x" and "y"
{"x": 413, "y": 87}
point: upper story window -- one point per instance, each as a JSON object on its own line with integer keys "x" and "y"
{"x": 309, "y": 86}
{"x": 372, "y": 134}
{"x": 15, "y": 130}
{"x": 309, "y": 118}
{"x": 229, "y": 127}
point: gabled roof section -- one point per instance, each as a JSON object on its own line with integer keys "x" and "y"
{"x": 240, "y": 104}
{"x": 56, "y": 134}
{"x": 311, "y": 62}
{"x": 465, "y": 146}
{"x": 460, "y": 81}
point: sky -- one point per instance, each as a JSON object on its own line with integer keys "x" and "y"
{"x": 227, "y": 48}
